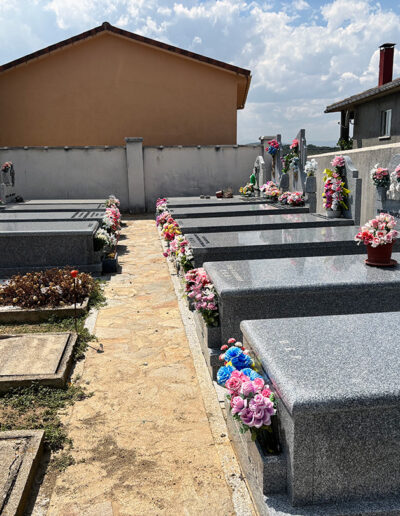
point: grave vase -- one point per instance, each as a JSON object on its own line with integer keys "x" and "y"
{"x": 380, "y": 256}
{"x": 381, "y": 193}
{"x": 333, "y": 214}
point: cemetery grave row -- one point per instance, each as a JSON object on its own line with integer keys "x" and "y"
{"x": 318, "y": 324}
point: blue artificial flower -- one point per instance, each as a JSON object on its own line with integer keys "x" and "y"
{"x": 232, "y": 352}
{"x": 241, "y": 361}
{"x": 272, "y": 150}
{"x": 251, "y": 373}
{"x": 224, "y": 373}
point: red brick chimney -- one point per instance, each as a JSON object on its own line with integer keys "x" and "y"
{"x": 386, "y": 63}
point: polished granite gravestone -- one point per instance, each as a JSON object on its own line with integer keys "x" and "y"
{"x": 259, "y": 222}
{"x": 36, "y": 245}
{"x": 277, "y": 243}
{"x": 54, "y": 207}
{"x": 48, "y": 216}
{"x": 64, "y": 201}
{"x": 44, "y": 358}
{"x": 20, "y": 453}
{"x": 235, "y": 211}
{"x": 191, "y": 202}
{"x": 336, "y": 379}
{"x": 299, "y": 287}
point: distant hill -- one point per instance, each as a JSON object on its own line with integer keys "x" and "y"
{"x": 312, "y": 150}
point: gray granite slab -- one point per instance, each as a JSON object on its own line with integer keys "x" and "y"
{"x": 190, "y": 202}
{"x": 300, "y": 287}
{"x": 36, "y": 245}
{"x": 64, "y": 201}
{"x": 48, "y": 216}
{"x": 259, "y": 222}
{"x": 22, "y": 207}
{"x": 277, "y": 243}
{"x": 337, "y": 382}
{"x": 235, "y": 211}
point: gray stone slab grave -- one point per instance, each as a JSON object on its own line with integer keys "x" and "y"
{"x": 53, "y": 207}
{"x": 277, "y": 243}
{"x": 235, "y": 211}
{"x": 300, "y": 287}
{"x": 191, "y": 202}
{"x": 337, "y": 385}
{"x": 36, "y": 245}
{"x": 20, "y": 453}
{"x": 44, "y": 358}
{"x": 64, "y": 201}
{"x": 258, "y": 222}
{"x": 48, "y": 216}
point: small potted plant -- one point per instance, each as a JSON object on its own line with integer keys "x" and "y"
{"x": 378, "y": 235}
{"x": 381, "y": 179}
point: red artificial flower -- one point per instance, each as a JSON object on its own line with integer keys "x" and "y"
{"x": 74, "y": 273}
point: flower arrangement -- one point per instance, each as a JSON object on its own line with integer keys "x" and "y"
{"x": 338, "y": 163}
{"x": 295, "y": 145}
{"x": 112, "y": 220}
{"x": 252, "y": 403}
{"x": 380, "y": 176}
{"x": 378, "y": 231}
{"x": 292, "y": 198}
{"x": 7, "y": 166}
{"x": 201, "y": 292}
{"x": 311, "y": 167}
{"x": 335, "y": 191}
{"x": 112, "y": 201}
{"x": 104, "y": 240}
{"x": 271, "y": 191}
{"x": 396, "y": 173}
{"x": 53, "y": 287}
{"x": 291, "y": 160}
{"x": 273, "y": 147}
{"x": 247, "y": 190}
{"x": 161, "y": 205}
{"x": 180, "y": 250}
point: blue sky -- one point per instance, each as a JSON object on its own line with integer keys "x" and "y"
{"x": 303, "y": 54}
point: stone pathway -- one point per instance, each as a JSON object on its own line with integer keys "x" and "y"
{"x": 143, "y": 444}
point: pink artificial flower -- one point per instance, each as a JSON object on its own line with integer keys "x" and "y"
{"x": 247, "y": 388}
{"x": 224, "y": 347}
{"x": 231, "y": 341}
{"x": 266, "y": 392}
{"x": 238, "y": 404}
{"x": 233, "y": 385}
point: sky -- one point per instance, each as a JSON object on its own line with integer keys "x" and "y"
{"x": 303, "y": 54}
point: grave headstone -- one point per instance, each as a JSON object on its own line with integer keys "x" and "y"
{"x": 336, "y": 381}
{"x": 7, "y": 183}
{"x": 258, "y": 222}
{"x": 44, "y": 358}
{"x": 354, "y": 185}
{"x": 20, "y": 453}
{"x": 48, "y": 216}
{"x": 192, "y": 202}
{"x": 284, "y": 243}
{"x": 235, "y": 211}
{"x": 37, "y": 245}
{"x": 22, "y": 207}
{"x": 300, "y": 287}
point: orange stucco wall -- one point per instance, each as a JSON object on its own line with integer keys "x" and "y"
{"x": 102, "y": 89}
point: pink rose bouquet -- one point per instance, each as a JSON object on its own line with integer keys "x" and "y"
{"x": 202, "y": 294}
{"x": 271, "y": 191}
{"x": 180, "y": 251}
{"x": 380, "y": 176}
{"x": 335, "y": 191}
{"x": 112, "y": 220}
{"x": 292, "y": 198}
{"x": 338, "y": 162}
{"x": 252, "y": 403}
{"x": 378, "y": 231}
{"x": 161, "y": 205}
{"x": 295, "y": 145}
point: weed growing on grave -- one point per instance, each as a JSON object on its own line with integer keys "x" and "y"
{"x": 38, "y": 407}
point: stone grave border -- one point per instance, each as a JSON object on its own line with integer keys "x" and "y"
{"x": 9, "y": 314}
{"x": 56, "y": 379}
{"x": 18, "y": 492}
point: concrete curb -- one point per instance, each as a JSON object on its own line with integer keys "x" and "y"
{"x": 213, "y": 398}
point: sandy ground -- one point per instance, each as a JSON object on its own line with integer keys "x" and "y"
{"x": 143, "y": 444}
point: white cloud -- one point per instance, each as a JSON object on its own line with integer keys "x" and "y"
{"x": 197, "y": 40}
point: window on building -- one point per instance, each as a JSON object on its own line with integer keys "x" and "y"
{"x": 386, "y": 122}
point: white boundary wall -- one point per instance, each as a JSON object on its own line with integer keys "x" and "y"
{"x": 137, "y": 175}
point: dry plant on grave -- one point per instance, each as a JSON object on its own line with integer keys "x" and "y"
{"x": 50, "y": 288}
